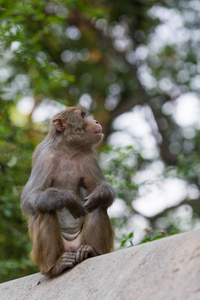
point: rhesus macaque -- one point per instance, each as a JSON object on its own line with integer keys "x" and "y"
{"x": 65, "y": 225}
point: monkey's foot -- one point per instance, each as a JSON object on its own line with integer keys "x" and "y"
{"x": 67, "y": 260}
{"x": 83, "y": 252}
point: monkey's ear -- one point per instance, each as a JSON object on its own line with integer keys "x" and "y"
{"x": 60, "y": 124}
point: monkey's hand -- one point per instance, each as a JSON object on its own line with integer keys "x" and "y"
{"x": 102, "y": 196}
{"x": 75, "y": 206}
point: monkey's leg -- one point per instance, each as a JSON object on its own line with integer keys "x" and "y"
{"x": 47, "y": 241}
{"x": 67, "y": 260}
{"x": 83, "y": 252}
{"x": 97, "y": 231}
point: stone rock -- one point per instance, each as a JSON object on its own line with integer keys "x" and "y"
{"x": 168, "y": 269}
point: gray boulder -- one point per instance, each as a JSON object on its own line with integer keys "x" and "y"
{"x": 164, "y": 269}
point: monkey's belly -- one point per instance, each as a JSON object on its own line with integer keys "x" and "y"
{"x": 70, "y": 227}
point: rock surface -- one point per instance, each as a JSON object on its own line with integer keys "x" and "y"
{"x": 164, "y": 269}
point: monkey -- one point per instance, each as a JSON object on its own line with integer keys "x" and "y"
{"x": 67, "y": 196}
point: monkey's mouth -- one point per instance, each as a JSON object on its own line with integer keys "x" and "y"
{"x": 99, "y": 131}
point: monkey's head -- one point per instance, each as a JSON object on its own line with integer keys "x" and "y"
{"x": 73, "y": 126}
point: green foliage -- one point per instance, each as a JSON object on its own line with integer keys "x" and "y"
{"x": 129, "y": 239}
{"x": 15, "y": 162}
{"x": 149, "y": 238}
{"x": 13, "y": 268}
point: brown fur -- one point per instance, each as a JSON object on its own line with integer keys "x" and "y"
{"x": 45, "y": 233}
{"x": 63, "y": 164}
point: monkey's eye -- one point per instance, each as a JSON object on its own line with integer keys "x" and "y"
{"x": 83, "y": 115}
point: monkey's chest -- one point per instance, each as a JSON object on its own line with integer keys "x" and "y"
{"x": 70, "y": 227}
{"x": 67, "y": 175}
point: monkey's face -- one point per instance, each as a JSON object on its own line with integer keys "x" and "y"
{"x": 92, "y": 128}
{"x": 85, "y": 129}
{"x": 77, "y": 128}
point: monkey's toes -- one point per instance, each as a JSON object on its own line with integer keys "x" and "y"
{"x": 83, "y": 253}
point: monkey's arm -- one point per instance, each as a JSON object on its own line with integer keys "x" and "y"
{"x": 101, "y": 193}
{"x": 38, "y": 195}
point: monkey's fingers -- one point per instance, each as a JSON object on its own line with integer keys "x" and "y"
{"x": 83, "y": 211}
{"x": 90, "y": 205}
{"x": 69, "y": 259}
{"x": 69, "y": 254}
{"x": 80, "y": 256}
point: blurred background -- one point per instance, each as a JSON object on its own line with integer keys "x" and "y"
{"x": 134, "y": 65}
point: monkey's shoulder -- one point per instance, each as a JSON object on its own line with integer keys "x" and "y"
{"x": 43, "y": 156}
